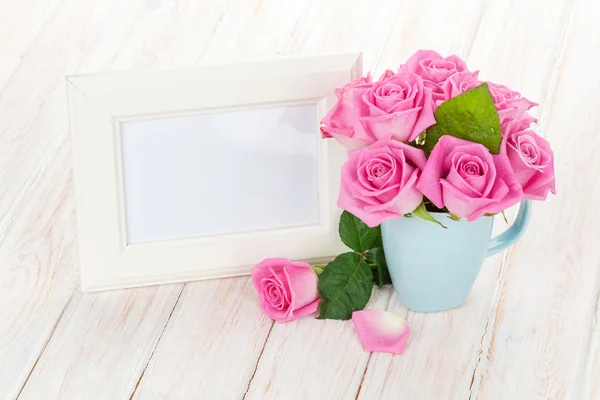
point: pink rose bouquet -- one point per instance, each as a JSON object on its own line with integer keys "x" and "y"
{"x": 433, "y": 131}
{"x": 428, "y": 137}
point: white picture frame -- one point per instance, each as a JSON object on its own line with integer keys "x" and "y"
{"x": 101, "y": 104}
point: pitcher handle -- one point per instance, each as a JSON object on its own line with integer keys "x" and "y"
{"x": 514, "y": 232}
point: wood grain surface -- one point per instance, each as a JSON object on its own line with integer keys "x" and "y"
{"x": 529, "y": 330}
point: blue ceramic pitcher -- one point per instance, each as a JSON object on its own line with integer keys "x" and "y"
{"x": 433, "y": 269}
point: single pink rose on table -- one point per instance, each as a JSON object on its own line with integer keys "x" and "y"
{"x": 287, "y": 290}
{"x": 469, "y": 181}
{"x": 434, "y": 69}
{"x": 531, "y": 159}
{"x": 398, "y": 105}
{"x": 379, "y": 181}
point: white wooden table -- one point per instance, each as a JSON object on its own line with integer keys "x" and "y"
{"x": 530, "y": 329}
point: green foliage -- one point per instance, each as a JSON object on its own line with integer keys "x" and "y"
{"x": 471, "y": 116}
{"x": 344, "y": 286}
{"x": 318, "y": 269}
{"x": 376, "y": 260}
{"x": 356, "y": 234}
{"x": 422, "y": 213}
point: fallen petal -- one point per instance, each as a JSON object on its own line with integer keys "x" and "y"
{"x": 381, "y": 331}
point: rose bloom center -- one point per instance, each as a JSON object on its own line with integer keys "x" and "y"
{"x": 391, "y": 90}
{"x": 275, "y": 296}
{"x": 445, "y": 67}
{"x": 472, "y": 168}
{"x": 377, "y": 169}
{"x": 531, "y": 152}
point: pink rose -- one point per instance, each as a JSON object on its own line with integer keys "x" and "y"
{"x": 469, "y": 181}
{"x": 342, "y": 120}
{"x": 386, "y": 75}
{"x": 287, "y": 290}
{"x": 434, "y": 69}
{"x": 531, "y": 159}
{"x": 378, "y": 181}
{"x": 396, "y": 106}
{"x": 510, "y": 104}
{"x": 459, "y": 83}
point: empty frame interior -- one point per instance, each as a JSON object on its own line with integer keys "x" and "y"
{"x": 219, "y": 173}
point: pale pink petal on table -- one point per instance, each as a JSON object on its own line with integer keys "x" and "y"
{"x": 381, "y": 331}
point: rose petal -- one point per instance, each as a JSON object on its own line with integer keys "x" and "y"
{"x": 398, "y": 125}
{"x": 303, "y": 284}
{"x": 413, "y": 63}
{"x": 304, "y": 311}
{"x": 426, "y": 118}
{"x": 381, "y": 331}
{"x": 460, "y": 203}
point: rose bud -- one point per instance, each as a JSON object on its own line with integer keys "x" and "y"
{"x": 531, "y": 159}
{"x": 287, "y": 290}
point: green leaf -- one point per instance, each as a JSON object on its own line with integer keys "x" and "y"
{"x": 356, "y": 234}
{"x": 422, "y": 213}
{"x": 318, "y": 269}
{"x": 376, "y": 260}
{"x": 471, "y": 116}
{"x": 493, "y": 215}
{"x": 344, "y": 286}
{"x": 454, "y": 217}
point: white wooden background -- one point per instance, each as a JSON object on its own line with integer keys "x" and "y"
{"x": 530, "y": 330}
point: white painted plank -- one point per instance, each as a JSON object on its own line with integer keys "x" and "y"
{"x": 38, "y": 260}
{"x": 79, "y": 38}
{"x": 517, "y": 45}
{"x": 548, "y": 295}
{"x": 441, "y": 354}
{"x": 445, "y": 349}
{"x": 36, "y": 274}
{"x": 211, "y": 344}
{"x": 21, "y": 23}
{"x": 591, "y": 384}
{"x": 313, "y": 359}
{"x": 38, "y": 266}
{"x": 96, "y": 39}
{"x": 102, "y": 344}
{"x": 443, "y": 26}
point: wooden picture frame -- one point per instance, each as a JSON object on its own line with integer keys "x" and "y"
{"x": 101, "y": 105}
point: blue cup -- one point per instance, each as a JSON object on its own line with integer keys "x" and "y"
{"x": 432, "y": 268}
